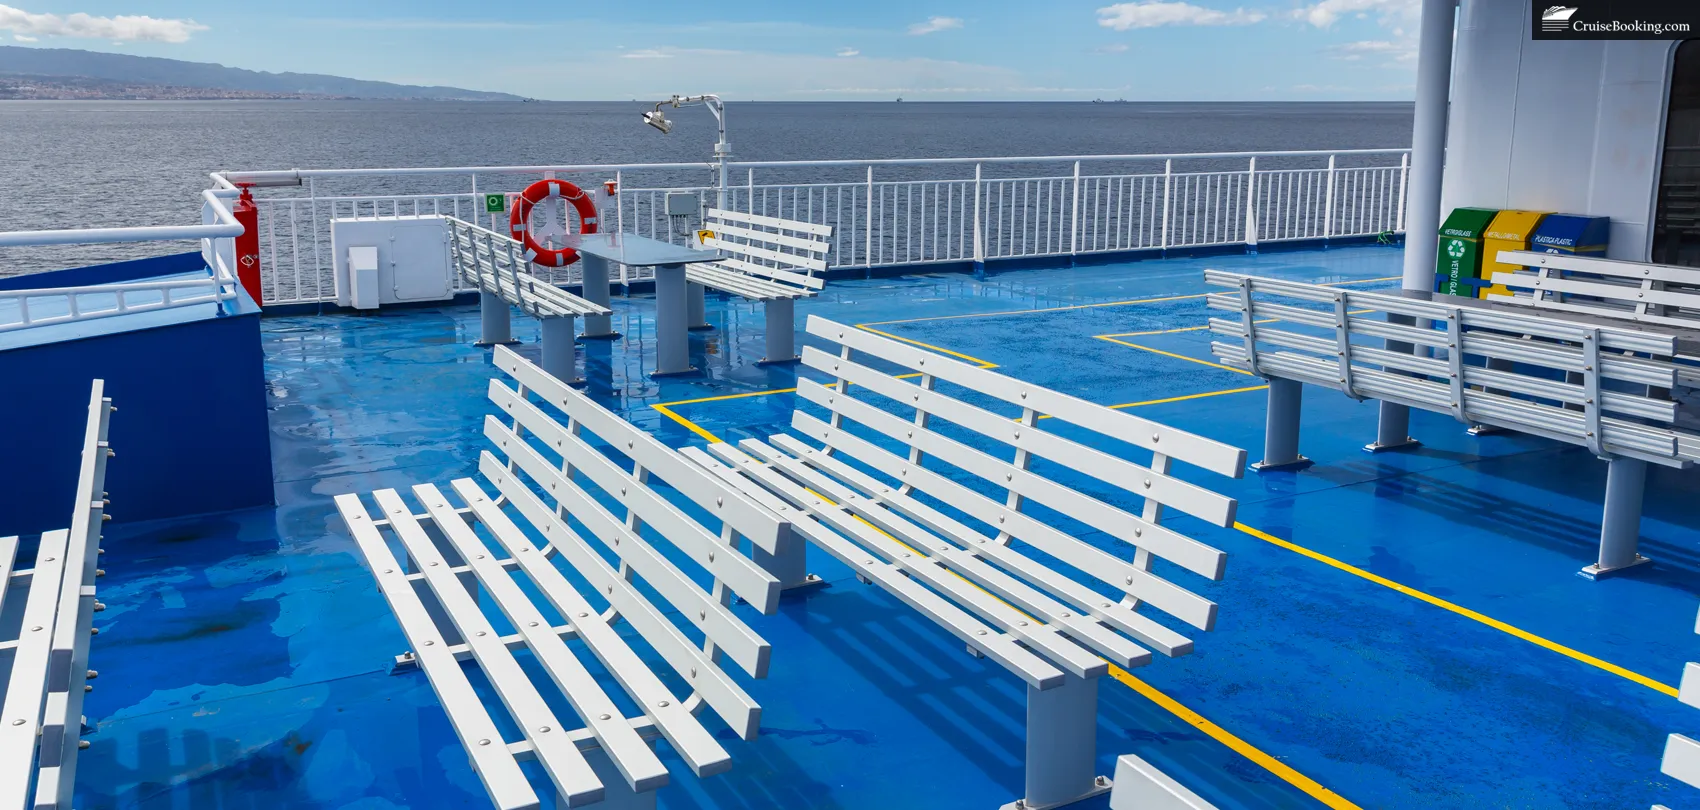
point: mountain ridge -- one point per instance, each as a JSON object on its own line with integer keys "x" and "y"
{"x": 206, "y": 75}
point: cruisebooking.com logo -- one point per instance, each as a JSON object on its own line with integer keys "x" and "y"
{"x": 1618, "y": 19}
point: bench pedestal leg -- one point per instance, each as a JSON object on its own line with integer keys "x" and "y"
{"x": 559, "y": 351}
{"x": 616, "y": 794}
{"x": 1620, "y": 526}
{"x": 1281, "y": 430}
{"x": 1392, "y": 429}
{"x": 696, "y": 307}
{"x": 1062, "y": 730}
{"x": 781, "y": 315}
{"x": 596, "y": 327}
{"x": 1496, "y": 364}
{"x": 788, "y": 564}
{"x": 495, "y": 322}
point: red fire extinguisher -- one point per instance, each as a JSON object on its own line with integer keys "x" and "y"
{"x": 248, "y": 244}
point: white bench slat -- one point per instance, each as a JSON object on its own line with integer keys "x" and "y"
{"x": 491, "y": 760}
{"x": 1681, "y": 759}
{"x": 26, "y": 685}
{"x": 1179, "y": 445}
{"x": 700, "y": 671}
{"x": 556, "y": 751}
{"x": 740, "y": 643}
{"x": 988, "y": 640}
{"x": 810, "y": 262}
{"x": 770, "y": 222}
{"x": 1162, "y": 594}
{"x": 748, "y": 519}
{"x": 741, "y": 284}
{"x": 1140, "y": 786}
{"x": 1628, "y": 295}
{"x": 1058, "y": 619}
{"x": 1190, "y": 498}
{"x": 1584, "y": 309}
{"x": 777, "y": 274}
{"x": 1126, "y": 526}
{"x": 633, "y": 757}
{"x": 1117, "y": 614}
{"x": 811, "y": 245}
{"x": 927, "y": 559}
{"x": 1636, "y": 271}
{"x": 672, "y": 718}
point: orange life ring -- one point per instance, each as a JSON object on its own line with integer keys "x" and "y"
{"x": 519, "y": 223}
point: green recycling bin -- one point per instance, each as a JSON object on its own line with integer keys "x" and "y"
{"x": 1458, "y": 266}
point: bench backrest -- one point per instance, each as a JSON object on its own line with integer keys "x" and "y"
{"x": 551, "y": 471}
{"x": 41, "y": 707}
{"x": 1570, "y": 381}
{"x": 1636, "y": 291}
{"x": 495, "y": 263}
{"x": 785, "y": 250}
{"x": 1043, "y": 468}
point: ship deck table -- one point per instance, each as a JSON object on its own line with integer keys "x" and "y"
{"x": 669, "y": 260}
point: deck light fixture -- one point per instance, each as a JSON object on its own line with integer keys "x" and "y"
{"x": 722, "y": 150}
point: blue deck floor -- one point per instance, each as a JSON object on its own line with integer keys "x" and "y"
{"x": 1397, "y": 630}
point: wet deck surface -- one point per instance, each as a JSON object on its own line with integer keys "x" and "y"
{"x": 1398, "y": 630}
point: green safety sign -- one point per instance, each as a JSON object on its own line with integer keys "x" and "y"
{"x": 495, "y": 203}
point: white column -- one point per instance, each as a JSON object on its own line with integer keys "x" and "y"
{"x": 1428, "y": 161}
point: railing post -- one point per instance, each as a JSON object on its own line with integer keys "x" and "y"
{"x": 868, "y": 248}
{"x": 1168, "y": 178}
{"x": 1404, "y": 174}
{"x": 1074, "y": 214}
{"x": 1251, "y": 207}
{"x": 979, "y": 239}
{"x": 1328, "y": 204}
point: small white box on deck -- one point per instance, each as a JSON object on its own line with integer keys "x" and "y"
{"x": 363, "y": 277}
{"x": 411, "y": 257}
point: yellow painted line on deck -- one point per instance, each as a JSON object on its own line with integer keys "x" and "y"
{"x": 1467, "y": 613}
{"x": 1172, "y": 354}
{"x": 1292, "y": 777}
{"x": 1071, "y": 307}
{"x": 970, "y": 358}
{"x": 1237, "y": 745}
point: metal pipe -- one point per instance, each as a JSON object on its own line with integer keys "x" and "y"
{"x": 1428, "y": 141}
{"x": 226, "y": 227}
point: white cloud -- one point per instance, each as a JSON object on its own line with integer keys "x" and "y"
{"x": 1401, "y": 51}
{"x": 1154, "y": 13}
{"x": 122, "y": 28}
{"x": 1392, "y": 13}
{"x": 849, "y": 52}
{"x": 1119, "y": 47}
{"x": 934, "y": 25}
{"x": 22, "y": 38}
{"x": 646, "y": 53}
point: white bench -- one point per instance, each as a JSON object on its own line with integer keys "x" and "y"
{"x": 1598, "y": 386}
{"x": 768, "y": 259}
{"x": 495, "y": 264}
{"x": 1659, "y": 294}
{"x": 976, "y": 578}
{"x": 435, "y": 596}
{"x": 41, "y": 708}
{"x": 1140, "y": 786}
{"x": 1681, "y": 759}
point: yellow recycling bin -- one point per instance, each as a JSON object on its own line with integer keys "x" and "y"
{"x": 1510, "y": 230}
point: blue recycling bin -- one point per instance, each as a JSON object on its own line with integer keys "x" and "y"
{"x": 1572, "y": 234}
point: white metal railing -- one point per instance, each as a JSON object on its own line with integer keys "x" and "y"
{"x": 884, "y": 212}
{"x": 22, "y": 309}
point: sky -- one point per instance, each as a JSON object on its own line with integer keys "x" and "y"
{"x": 779, "y": 50}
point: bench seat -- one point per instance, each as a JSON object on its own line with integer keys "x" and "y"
{"x": 41, "y": 705}
{"x": 555, "y": 503}
{"x": 767, "y": 259}
{"x": 1015, "y": 584}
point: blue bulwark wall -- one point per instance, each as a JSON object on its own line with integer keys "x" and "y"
{"x": 191, "y": 429}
